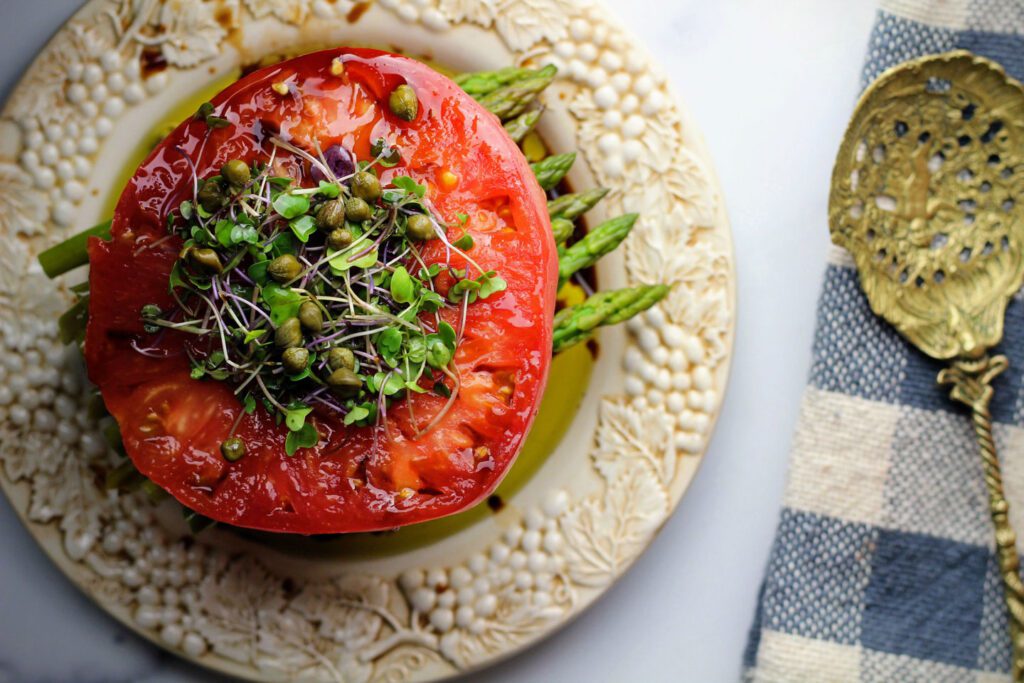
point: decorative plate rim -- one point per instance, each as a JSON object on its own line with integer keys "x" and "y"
{"x": 530, "y": 574}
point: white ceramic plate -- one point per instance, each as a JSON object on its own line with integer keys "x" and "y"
{"x": 380, "y": 607}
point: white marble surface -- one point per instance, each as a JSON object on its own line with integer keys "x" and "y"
{"x": 772, "y": 84}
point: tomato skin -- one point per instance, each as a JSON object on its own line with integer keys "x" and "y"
{"x": 354, "y": 479}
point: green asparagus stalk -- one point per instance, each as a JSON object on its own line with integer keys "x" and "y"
{"x": 518, "y": 127}
{"x": 552, "y": 169}
{"x": 598, "y": 242}
{"x": 577, "y": 323}
{"x": 71, "y": 325}
{"x": 479, "y": 83}
{"x": 512, "y": 100}
{"x": 562, "y": 229}
{"x": 71, "y": 253}
{"x": 572, "y": 206}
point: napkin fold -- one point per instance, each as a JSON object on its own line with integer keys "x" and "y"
{"x": 883, "y": 565}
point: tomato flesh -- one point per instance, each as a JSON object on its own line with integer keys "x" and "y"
{"x": 355, "y": 478}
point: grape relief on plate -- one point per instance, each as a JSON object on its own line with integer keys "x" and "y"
{"x": 228, "y": 607}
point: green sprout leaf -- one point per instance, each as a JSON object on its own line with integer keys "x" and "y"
{"x": 409, "y": 185}
{"x": 303, "y": 227}
{"x": 402, "y": 289}
{"x": 304, "y": 437}
{"x": 283, "y": 302}
{"x": 438, "y": 353}
{"x": 342, "y": 260}
{"x": 253, "y": 335}
{"x": 290, "y": 205}
{"x": 464, "y": 243}
{"x": 329, "y": 190}
{"x": 447, "y": 334}
{"x": 356, "y": 414}
{"x": 491, "y": 284}
{"x": 295, "y": 416}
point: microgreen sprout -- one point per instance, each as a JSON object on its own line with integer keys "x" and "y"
{"x": 307, "y": 305}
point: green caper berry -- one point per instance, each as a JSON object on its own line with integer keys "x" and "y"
{"x": 206, "y": 259}
{"x": 232, "y": 449}
{"x": 344, "y": 382}
{"x": 288, "y": 334}
{"x": 420, "y": 228}
{"x": 366, "y": 186}
{"x": 356, "y": 210}
{"x": 236, "y": 172}
{"x": 339, "y": 239}
{"x": 340, "y": 357}
{"x": 403, "y": 102}
{"x": 284, "y": 268}
{"x": 331, "y": 215}
{"x": 294, "y": 359}
{"x": 211, "y": 195}
{"x": 311, "y": 317}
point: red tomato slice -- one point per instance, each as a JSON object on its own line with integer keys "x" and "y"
{"x": 354, "y": 479}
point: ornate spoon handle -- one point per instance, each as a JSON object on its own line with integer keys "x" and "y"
{"x": 972, "y": 385}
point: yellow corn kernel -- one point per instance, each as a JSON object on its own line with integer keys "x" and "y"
{"x": 406, "y": 493}
{"x": 281, "y": 88}
{"x": 337, "y": 67}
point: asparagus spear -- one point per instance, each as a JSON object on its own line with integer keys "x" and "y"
{"x": 71, "y": 324}
{"x": 518, "y": 127}
{"x": 551, "y": 170}
{"x": 479, "y": 83}
{"x": 577, "y": 323}
{"x": 598, "y": 242}
{"x": 71, "y": 253}
{"x": 513, "y": 99}
{"x": 562, "y": 229}
{"x": 573, "y": 205}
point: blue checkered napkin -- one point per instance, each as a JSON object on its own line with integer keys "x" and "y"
{"x": 883, "y": 566}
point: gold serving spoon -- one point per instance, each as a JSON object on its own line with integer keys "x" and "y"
{"x": 924, "y": 196}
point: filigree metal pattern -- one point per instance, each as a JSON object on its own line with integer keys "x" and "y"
{"x": 924, "y": 195}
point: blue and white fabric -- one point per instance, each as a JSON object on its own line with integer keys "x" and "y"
{"x": 883, "y": 566}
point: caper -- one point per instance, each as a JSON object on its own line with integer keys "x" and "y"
{"x": 339, "y": 239}
{"x": 341, "y": 357}
{"x": 356, "y": 210}
{"x": 288, "y": 334}
{"x": 294, "y": 359}
{"x": 403, "y": 102}
{"x": 211, "y": 195}
{"x": 232, "y": 449}
{"x": 284, "y": 268}
{"x": 311, "y": 317}
{"x": 331, "y": 215}
{"x": 366, "y": 186}
{"x": 206, "y": 259}
{"x": 344, "y": 382}
{"x": 420, "y": 228}
{"x": 236, "y": 172}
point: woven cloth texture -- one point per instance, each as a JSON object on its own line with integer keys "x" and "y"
{"x": 883, "y": 564}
